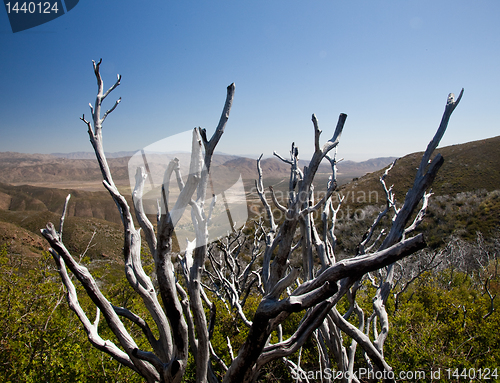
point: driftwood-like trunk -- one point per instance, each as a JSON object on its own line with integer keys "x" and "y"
{"x": 183, "y": 325}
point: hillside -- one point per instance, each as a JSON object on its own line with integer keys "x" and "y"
{"x": 24, "y": 210}
{"x": 467, "y": 167}
{"x": 20, "y": 230}
{"x": 82, "y": 203}
{"x": 465, "y": 200}
{"x": 50, "y": 171}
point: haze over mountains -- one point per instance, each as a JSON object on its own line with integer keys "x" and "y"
{"x": 66, "y": 169}
{"x": 470, "y": 166}
{"x": 33, "y": 188}
{"x": 91, "y": 155}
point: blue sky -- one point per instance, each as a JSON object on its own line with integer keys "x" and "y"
{"x": 389, "y": 65}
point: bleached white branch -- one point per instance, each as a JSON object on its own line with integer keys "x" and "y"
{"x": 63, "y": 215}
{"x": 451, "y": 104}
{"x": 74, "y": 304}
{"x": 59, "y": 252}
{"x": 110, "y": 110}
{"x": 420, "y": 215}
{"x": 144, "y": 222}
{"x": 259, "y": 185}
{"x": 289, "y": 162}
{"x": 275, "y": 200}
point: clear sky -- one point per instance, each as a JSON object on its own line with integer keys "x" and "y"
{"x": 389, "y": 65}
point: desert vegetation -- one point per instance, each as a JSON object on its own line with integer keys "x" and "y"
{"x": 298, "y": 289}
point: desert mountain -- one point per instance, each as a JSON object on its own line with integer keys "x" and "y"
{"x": 466, "y": 191}
{"x": 91, "y": 155}
{"x": 467, "y": 167}
{"x": 24, "y": 209}
{"x": 19, "y": 168}
{"x": 44, "y": 169}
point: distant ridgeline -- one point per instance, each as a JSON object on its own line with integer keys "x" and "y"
{"x": 465, "y": 200}
{"x": 18, "y": 168}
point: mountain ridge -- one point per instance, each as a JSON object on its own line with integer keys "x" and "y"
{"x": 467, "y": 168}
{"x": 22, "y": 168}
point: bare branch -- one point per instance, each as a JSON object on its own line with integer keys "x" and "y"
{"x": 118, "y": 79}
{"x": 144, "y": 223}
{"x": 260, "y": 191}
{"x": 492, "y": 299}
{"x": 110, "y": 110}
{"x": 289, "y": 162}
{"x": 82, "y": 274}
{"x": 275, "y": 200}
{"x": 317, "y": 133}
{"x": 94, "y": 337}
{"x": 420, "y": 215}
{"x": 63, "y": 215}
{"x": 364, "y": 264}
{"x": 451, "y": 104}
{"x": 361, "y": 339}
{"x": 210, "y": 145}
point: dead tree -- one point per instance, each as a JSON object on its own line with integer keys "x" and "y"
{"x": 180, "y": 320}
